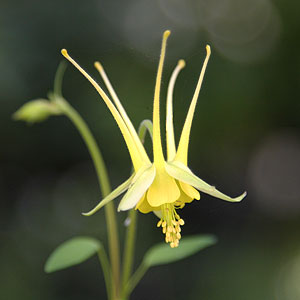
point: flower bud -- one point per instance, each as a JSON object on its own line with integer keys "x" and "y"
{"x": 36, "y": 111}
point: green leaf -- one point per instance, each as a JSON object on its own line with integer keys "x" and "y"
{"x": 162, "y": 253}
{"x": 72, "y": 252}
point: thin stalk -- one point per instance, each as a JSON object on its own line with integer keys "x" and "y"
{"x": 106, "y": 272}
{"x": 145, "y": 126}
{"x": 129, "y": 251}
{"x": 135, "y": 279}
{"x": 58, "y": 79}
{"x": 113, "y": 239}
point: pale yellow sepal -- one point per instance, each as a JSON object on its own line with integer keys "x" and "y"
{"x": 114, "y": 194}
{"x": 139, "y": 185}
{"x": 182, "y": 173}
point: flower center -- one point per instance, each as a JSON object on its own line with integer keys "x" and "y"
{"x": 170, "y": 223}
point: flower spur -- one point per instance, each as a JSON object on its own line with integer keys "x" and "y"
{"x": 162, "y": 186}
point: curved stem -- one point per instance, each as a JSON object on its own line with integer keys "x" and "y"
{"x": 59, "y": 78}
{"x": 136, "y": 277}
{"x": 103, "y": 180}
{"x": 145, "y": 126}
{"x": 129, "y": 251}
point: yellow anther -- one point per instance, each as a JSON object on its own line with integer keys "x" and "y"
{"x": 170, "y": 223}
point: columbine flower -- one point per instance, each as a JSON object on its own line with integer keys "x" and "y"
{"x": 163, "y": 186}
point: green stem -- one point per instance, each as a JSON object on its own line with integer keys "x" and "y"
{"x": 58, "y": 79}
{"x": 106, "y": 272}
{"x": 145, "y": 126}
{"x": 113, "y": 239}
{"x": 129, "y": 250}
{"x": 135, "y": 279}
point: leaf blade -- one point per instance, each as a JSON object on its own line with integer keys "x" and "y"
{"x": 162, "y": 253}
{"x": 72, "y": 252}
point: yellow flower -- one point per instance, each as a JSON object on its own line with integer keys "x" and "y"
{"x": 161, "y": 186}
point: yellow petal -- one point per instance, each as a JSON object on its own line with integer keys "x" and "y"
{"x": 182, "y": 152}
{"x": 171, "y": 149}
{"x": 123, "y": 113}
{"x": 136, "y": 158}
{"x": 184, "y": 198}
{"x": 163, "y": 189}
{"x": 157, "y": 147}
{"x": 189, "y": 190}
{"x": 143, "y": 206}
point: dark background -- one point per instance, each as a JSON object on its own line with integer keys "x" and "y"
{"x": 245, "y": 136}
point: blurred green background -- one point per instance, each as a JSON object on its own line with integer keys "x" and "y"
{"x": 245, "y": 136}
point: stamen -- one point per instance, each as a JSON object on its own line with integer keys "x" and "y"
{"x": 170, "y": 223}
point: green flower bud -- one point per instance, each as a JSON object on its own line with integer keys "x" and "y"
{"x": 36, "y": 111}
